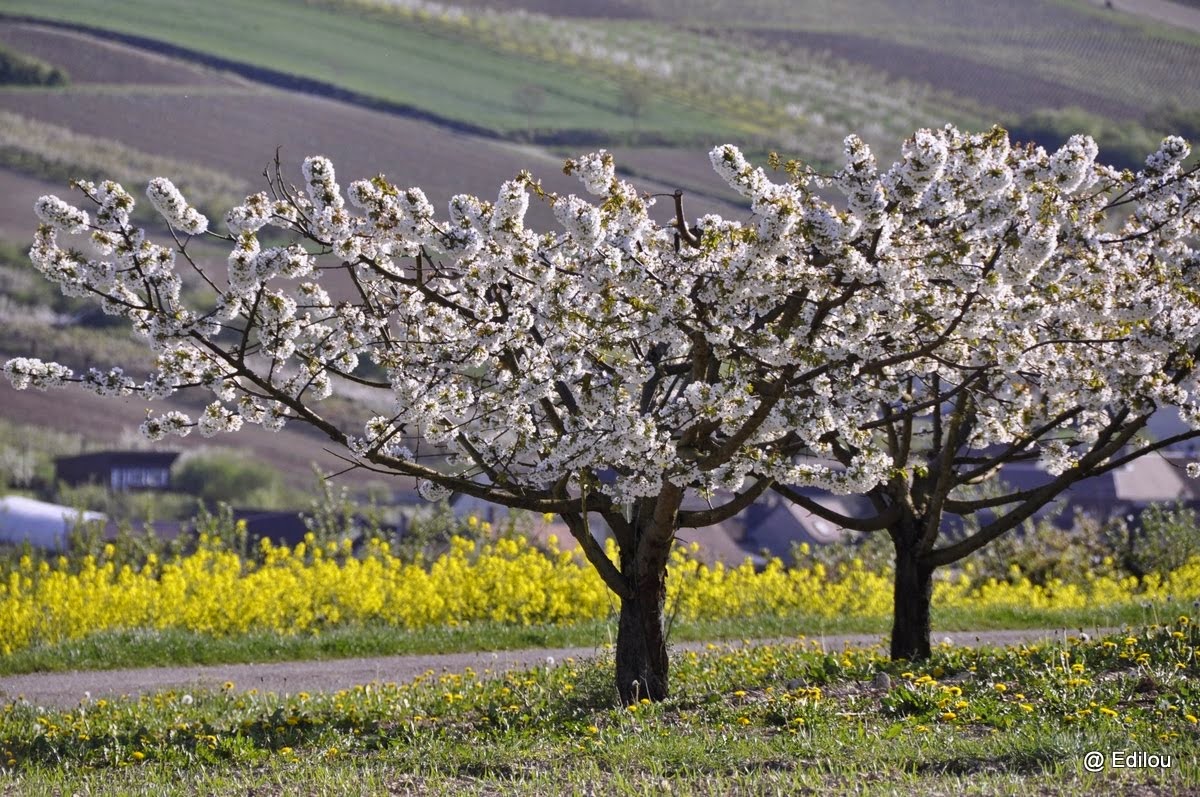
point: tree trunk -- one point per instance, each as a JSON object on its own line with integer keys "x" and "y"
{"x": 641, "y": 641}
{"x": 912, "y": 597}
{"x": 641, "y": 632}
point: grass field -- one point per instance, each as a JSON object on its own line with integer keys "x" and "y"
{"x": 771, "y": 74}
{"x": 591, "y": 82}
{"x": 772, "y": 719}
{"x": 414, "y": 67}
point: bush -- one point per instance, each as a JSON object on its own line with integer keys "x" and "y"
{"x": 24, "y": 70}
{"x": 1042, "y": 552}
{"x": 1178, "y": 120}
{"x": 230, "y": 478}
{"x": 1162, "y": 539}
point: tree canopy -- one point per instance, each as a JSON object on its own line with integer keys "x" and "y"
{"x": 623, "y": 362}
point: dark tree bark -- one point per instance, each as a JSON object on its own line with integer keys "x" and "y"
{"x": 642, "y": 664}
{"x": 641, "y": 655}
{"x": 912, "y": 597}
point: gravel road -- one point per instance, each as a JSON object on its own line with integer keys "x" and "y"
{"x": 67, "y": 689}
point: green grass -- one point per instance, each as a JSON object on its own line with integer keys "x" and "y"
{"x": 781, "y": 719}
{"x": 387, "y": 58}
{"x": 168, "y": 647}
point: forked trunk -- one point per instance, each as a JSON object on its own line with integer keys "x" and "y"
{"x": 912, "y": 597}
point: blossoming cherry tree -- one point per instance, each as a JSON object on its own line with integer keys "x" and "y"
{"x": 610, "y": 368}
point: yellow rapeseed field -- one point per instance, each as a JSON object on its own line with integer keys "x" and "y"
{"x": 312, "y": 587}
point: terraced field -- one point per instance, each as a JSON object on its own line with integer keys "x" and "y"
{"x": 197, "y": 123}
{"x": 564, "y": 81}
{"x": 422, "y": 65}
{"x": 1016, "y": 57}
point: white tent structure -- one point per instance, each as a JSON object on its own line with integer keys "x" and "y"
{"x": 43, "y": 525}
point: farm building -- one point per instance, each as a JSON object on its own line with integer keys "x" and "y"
{"x": 42, "y": 525}
{"x": 118, "y": 470}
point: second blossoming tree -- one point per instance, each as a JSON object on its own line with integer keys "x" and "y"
{"x": 1060, "y": 314}
{"x": 613, "y": 366}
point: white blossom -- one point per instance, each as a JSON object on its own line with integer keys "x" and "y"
{"x": 24, "y": 372}
{"x": 581, "y": 220}
{"x": 173, "y": 422}
{"x": 59, "y": 215}
{"x": 174, "y": 208}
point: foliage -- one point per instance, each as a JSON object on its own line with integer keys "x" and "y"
{"x": 27, "y": 454}
{"x": 1043, "y": 552}
{"x": 1158, "y": 540}
{"x": 21, "y": 69}
{"x": 123, "y": 506}
{"x": 744, "y": 719}
{"x": 229, "y": 477}
{"x": 1175, "y": 117}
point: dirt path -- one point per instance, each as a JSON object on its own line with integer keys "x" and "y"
{"x": 66, "y": 690}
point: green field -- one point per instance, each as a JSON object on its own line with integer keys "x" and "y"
{"x": 381, "y": 58}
